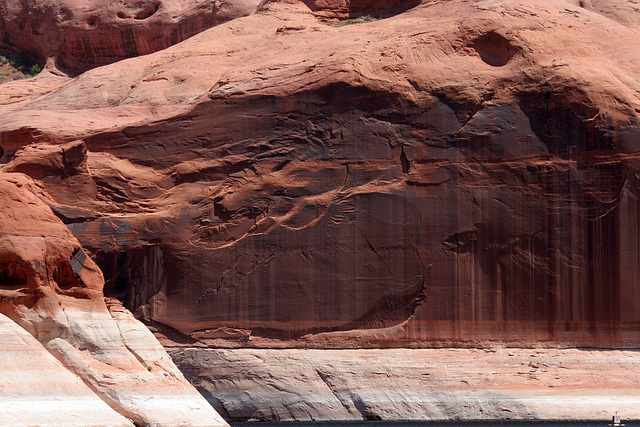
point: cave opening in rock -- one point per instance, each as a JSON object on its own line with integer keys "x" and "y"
{"x": 361, "y": 8}
{"x": 12, "y": 275}
{"x": 147, "y": 11}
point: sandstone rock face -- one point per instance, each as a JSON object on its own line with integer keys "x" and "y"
{"x": 460, "y": 173}
{"x": 53, "y": 290}
{"x": 86, "y": 34}
{"x": 34, "y": 386}
{"x": 624, "y": 12}
{"x": 418, "y": 385}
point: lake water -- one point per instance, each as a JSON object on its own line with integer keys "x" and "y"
{"x": 441, "y": 423}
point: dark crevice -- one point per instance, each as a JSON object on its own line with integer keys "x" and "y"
{"x": 464, "y": 241}
{"x": 426, "y": 184}
{"x": 64, "y": 276}
{"x": 148, "y": 10}
{"x": 69, "y": 216}
{"x": 404, "y": 161}
{"x": 12, "y": 275}
{"x": 494, "y": 49}
{"x": 361, "y": 8}
{"x": 220, "y": 210}
{"x": 133, "y": 275}
{"x": 281, "y": 165}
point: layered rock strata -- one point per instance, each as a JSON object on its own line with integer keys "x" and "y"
{"x": 415, "y": 385}
{"x": 109, "y": 366}
{"x": 83, "y": 35}
{"x": 461, "y": 173}
{"x": 34, "y": 386}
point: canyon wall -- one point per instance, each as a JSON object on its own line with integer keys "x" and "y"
{"x": 34, "y": 385}
{"x": 68, "y": 356}
{"x": 81, "y": 35}
{"x": 458, "y": 174}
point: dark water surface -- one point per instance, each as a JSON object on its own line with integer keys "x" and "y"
{"x": 444, "y": 424}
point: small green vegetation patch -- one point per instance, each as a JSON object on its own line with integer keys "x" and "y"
{"x": 361, "y": 20}
{"x": 17, "y": 66}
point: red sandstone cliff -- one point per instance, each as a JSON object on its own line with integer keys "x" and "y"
{"x": 108, "y": 368}
{"x": 80, "y": 35}
{"x": 459, "y": 173}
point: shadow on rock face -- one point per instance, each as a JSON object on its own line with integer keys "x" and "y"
{"x": 567, "y": 121}
{"x": 12, "y": 275}
{"x": 356, "y": 8}
{"x": 494, "y": 49}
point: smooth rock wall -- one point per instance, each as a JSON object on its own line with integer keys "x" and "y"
{"x": 419, "y": 385}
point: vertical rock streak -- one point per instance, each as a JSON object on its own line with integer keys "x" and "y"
{"x": 441, "y": 177}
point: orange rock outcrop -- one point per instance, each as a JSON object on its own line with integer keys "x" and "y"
{"x": 108, "y": 368}
{"x": 459, "y": 173}
{"x": 79, "y": 35}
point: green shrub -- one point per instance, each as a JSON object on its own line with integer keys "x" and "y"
{"x": 35, "y": 69}
{"x": 361, "y": 20}
{"x": 20, "y": 60}
{"x": 23, "y": 63}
